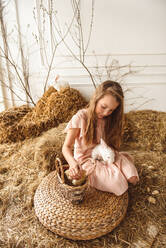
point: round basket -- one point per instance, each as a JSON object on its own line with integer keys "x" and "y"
{"x": 99, "y": 212}
{"x": 75, "y": 194}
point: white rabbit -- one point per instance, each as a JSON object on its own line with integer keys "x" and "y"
{"x": 59, "y": 84}
{"x": 103, "y": 152}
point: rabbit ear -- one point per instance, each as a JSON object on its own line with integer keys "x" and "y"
{"x": 57, "y": 77}
{"x": 102, "y": 142}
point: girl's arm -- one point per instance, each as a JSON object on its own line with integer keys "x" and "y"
{"x": 68, "y": 154}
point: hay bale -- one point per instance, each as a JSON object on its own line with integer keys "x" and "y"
{"x": 49, "y": 146}
{"x": 51, "y": 110}
{"x": 145, "y": 129}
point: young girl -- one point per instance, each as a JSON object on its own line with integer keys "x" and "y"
{"x": 103, "y": 118}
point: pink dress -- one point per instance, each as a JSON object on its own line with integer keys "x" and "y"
{"x": 106, "y": 177}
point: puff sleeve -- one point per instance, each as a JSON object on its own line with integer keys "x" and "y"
{"x": 78, "y": 121}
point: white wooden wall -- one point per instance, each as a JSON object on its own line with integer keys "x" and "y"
{"x": 130, "y": 31}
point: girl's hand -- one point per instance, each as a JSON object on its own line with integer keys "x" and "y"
{"x": 74, "y": 171}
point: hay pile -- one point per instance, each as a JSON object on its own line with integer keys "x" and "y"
{"x": 145, "y": 129}
{"x": 49, "y": 146}
{"x": 57, "y": 106}
{"x": 53, "y": 108}
{"x": 9, "y": 120}
{"x": 23, "y": 164}
{"x": 12, "y": 116}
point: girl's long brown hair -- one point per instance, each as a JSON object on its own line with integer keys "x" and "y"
{"x": 113, "y": 130}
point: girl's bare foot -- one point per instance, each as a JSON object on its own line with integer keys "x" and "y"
{"x": 133, "y": 180}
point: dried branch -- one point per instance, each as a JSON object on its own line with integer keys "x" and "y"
{"x": 50, "y": 7}
{"x": 5, "y": 44}
{"x": 76, "y": 6}
{"x": 10, "y": 62}
{"x": 14, "y": 93}
{"x": 62, "y": 36}
{"x": 18, "y": 75}
{"x": 40, "y": 31}
{"x": 23, "y": 60}
{"x": 91, "y": 26}
{"x": 78, "y": 37}
{"x": 2, "y": 86}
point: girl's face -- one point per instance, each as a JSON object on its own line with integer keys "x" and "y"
{"x": 105, "y": 106}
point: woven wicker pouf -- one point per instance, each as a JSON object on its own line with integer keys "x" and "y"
{"x": 99, "y": 213}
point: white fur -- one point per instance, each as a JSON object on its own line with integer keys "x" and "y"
{"x": 103, "y": 152}
{"x": 59, "y": 84}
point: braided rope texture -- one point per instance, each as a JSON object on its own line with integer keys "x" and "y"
{"x": 98, "y": 214}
